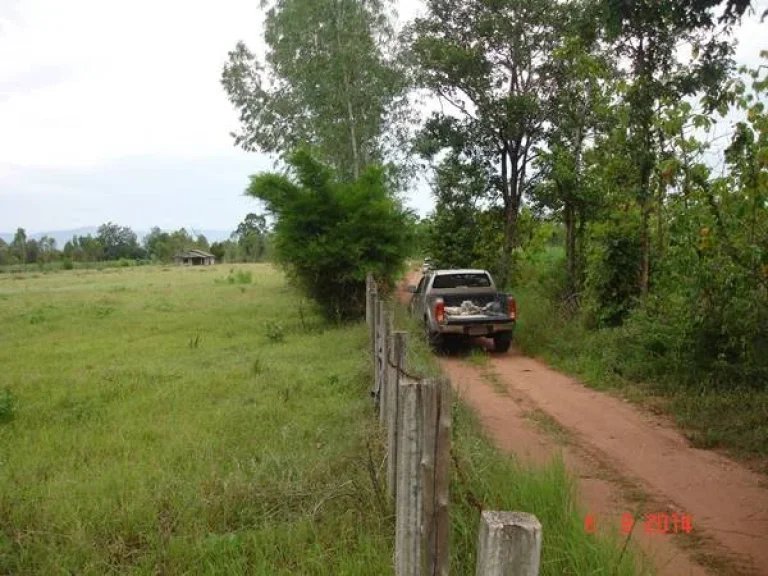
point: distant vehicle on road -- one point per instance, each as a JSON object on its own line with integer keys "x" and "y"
{"x": 462, "y": 304}
{"x": 426, "y": 266}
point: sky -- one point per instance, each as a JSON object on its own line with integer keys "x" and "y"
{"x": 113, "y": 111}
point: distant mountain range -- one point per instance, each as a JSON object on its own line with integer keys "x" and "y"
{"x": 62, "y": 236}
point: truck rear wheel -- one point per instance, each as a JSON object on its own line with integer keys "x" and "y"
{"x": 434, "y": 339}
{"x": 502, "y": 341}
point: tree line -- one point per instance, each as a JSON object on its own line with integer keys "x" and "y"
{"x": 574, "y": 151}
{"x": 249, "y": 242}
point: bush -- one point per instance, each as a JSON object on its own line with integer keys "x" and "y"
{"x": 240, "y": 277}
{"x": 275, "y": 331}
{"x": 7, "y": 405}
{"x": 613, "y": 270}
{"x": 329, "y": 234}
{"x": 67, "y": 264}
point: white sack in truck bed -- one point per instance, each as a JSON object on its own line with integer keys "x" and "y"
{"x": 469, "y": 308}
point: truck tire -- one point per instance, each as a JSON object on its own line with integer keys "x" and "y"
{"x": 434, "y": 339}
{"x": 502, "y": 341}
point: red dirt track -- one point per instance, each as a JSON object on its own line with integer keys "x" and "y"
{"x": 626, "y": 459}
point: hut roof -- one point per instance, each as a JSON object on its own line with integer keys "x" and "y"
{"x": 195, "y": 253}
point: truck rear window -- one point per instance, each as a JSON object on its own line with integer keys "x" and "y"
{"x": 461, "y": 281}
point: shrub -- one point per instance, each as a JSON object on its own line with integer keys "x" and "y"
{"x": 275, "y": 331}
{"x": 613, "y": 270}
{"x": 239, "y": 276}
{"x": 67, "y": 264}
{"x": 329, "y": 233}
{"x": 7, "y": 405}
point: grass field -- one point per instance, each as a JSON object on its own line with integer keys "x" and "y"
{"x": 156, "y": 423}
{"x": 206, "y": 421}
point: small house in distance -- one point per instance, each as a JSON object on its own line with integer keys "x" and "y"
{"x": 195, "y": 258}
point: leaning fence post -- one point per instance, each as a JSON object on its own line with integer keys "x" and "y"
{"x": 374, "y": 339}
{"x": 509, "y": 544}
{"x": 368, "y": 289}
{"x": 399, "y": 343}
{"x": 408, "y": 504}
{"x": 384, "y": 366}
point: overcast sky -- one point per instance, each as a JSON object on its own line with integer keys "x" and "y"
{"x": 112, "y": 110}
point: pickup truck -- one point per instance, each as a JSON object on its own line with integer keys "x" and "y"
{"x": 462, "y": 304}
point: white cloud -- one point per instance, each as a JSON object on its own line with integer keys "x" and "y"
{"x": 131, "y": 78}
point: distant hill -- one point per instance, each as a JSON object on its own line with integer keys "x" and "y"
{"x": 62, "y": 236}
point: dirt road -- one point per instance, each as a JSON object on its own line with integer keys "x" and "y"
{"x": 627, "y": 460}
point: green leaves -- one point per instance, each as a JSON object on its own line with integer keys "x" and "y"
{"x": 325, "y": 83}
{"x": 329, "y": 233}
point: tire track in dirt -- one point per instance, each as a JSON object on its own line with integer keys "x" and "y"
{"x": 626, "y": 461}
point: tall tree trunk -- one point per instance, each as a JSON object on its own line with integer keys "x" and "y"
{"x": 570, "y": 214}
{"x": 511, "y": 208}
{"x": 510, "y": 225}
{"x": 660, "y": 222}
{"x": 347, "y": 91}
{"x": 352, "y": 130}
{"x": 580, "y": 251}
{"x": 645, "y": 244}
{"x": 570, "y": 244}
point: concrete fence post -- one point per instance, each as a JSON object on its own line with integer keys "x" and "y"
{"x": 509, "y": 544}
{"x": 408, "y": 505}
{"x": 399, "y": 343}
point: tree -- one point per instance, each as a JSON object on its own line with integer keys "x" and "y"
{"x": 325, "y": 82}
{"x": 219, "y": 250}
{"x": 201, "y": 242}
{"x": 157, "y": 245}
{"x": 47, "y": 247}
{"x": 487, "y": 61}
{"x": 579, "y": 112}
{"x": 329, "y": 232}
{"x": 251, "y": 237}
{"x": 118, "y": 241}
{"x": 648, "y": 35}
{"x": 5, "y": 253}
{"x": 456, "y": 232}
{"x": 32, "y": 251}
{"x": 19, "y": 245}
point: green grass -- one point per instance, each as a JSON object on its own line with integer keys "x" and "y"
{"x": 155, "y": 426}
{"x": 494, "y": 481}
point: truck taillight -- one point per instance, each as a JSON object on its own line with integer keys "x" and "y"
{"x": 439, "y": 311}
{"x": 512, "y": 308}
